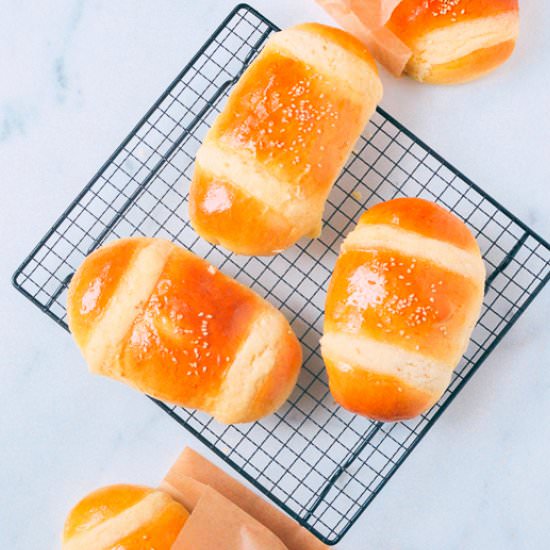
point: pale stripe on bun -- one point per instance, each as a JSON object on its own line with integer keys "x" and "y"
{"x": 245, "y": 173}
{"x": 134, "y": 290}
{"x": 447, "y": 44}
{"x": 415, "y": 369}
{"x": 445, "y": 255}
{"x": 254, "y": 364}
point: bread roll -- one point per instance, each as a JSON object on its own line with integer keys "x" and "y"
{"x": 266, "y": 167}
{"x": 403, "y": 300}
{"x": 153, "y": 315}
{"x": 436, "y": 41}
{"x": 124, "y": 516}
{"x": 455, "y": 40}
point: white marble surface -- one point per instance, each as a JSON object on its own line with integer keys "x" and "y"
{"x": 75, "y": 76}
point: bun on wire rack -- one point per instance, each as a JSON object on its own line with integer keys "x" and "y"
{"x": 401, "y": 305}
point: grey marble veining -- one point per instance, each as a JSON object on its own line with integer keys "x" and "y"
{"x": 75, "y": 77}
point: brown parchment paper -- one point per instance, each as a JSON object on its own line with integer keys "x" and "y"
{"x": 216, "y": 523}
{"x": 213, "y": 495}
{"x": 386, "y": 47}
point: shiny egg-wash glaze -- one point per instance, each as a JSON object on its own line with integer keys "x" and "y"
{"x": 402, "y": 302}
{"x": 151, "y": 314}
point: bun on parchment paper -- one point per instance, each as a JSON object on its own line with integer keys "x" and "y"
{"x": 435, "y": 41}
{"x": 124, "y": 516}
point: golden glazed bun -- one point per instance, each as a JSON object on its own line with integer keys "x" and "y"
{"x": 266, "y": 167}
{"x": 436, "y": 41}
{"x": 455, "y": 41}
{"x": 151, "y": 314}
{"x": 402, "y": 303}
{"x": 124, "y": 517}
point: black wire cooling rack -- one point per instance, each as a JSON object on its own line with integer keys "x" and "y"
{"x": 318, "y": 462}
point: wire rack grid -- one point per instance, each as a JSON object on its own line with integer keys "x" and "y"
{"x": 318, "y": 462}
